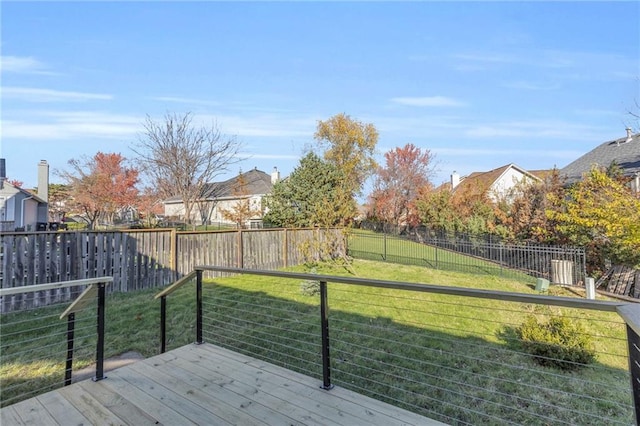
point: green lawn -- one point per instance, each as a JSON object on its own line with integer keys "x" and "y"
{"x": 429, "y": 353}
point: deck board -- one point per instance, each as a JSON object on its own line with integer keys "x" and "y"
{"x": 205, "y": 384}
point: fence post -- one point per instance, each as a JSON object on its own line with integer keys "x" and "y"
{"x": 71, "y": 319}
{"x": 384, "y": 256}
{"x": 324, "y": 324}
{"x": 199, "y": 307}
{"x": 163, "y": 324}
{"x": 100, "y": 343}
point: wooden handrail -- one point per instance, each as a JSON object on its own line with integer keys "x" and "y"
{"x": 173, "y": 287}
{"x": 87, "y": 296}
{"x": 53, "y": 286}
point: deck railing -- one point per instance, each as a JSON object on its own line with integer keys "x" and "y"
{"x": 37, "y": 349}
{"x": 449, "y": 353}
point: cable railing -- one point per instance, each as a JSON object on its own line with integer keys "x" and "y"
{"x": 449, "y": 353}
{"x": 38, "y": 350}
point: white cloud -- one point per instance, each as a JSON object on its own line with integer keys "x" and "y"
{"x": 264, "y": 125}
{"x": 72, "y": 125}
{"x": 428, "y": 101}
{"x": 31, "y": 94}
{"x": 534, "y": 129}
{"x": 22, "y": 64}
{"x": 181, "y": 100}
{"x": 527, "y": 85}
{"x": 471, "y": 152}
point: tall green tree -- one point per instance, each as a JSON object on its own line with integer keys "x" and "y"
{"x": 310, "y": 196}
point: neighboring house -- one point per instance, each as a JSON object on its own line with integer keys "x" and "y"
{"x": 625, "y": 152}
{"x": 497, "y": 184}
{"x": 21, "y": 209}
{"x": 253, "y": 185}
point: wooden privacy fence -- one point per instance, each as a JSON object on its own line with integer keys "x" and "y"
{"x": 141, "y": 259}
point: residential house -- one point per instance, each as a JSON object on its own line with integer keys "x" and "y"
{"x": 219, "y": 197}
{"x": 22, "y": 210}
{"x": 625, "y": 152}
{"x": 497, "y": 184}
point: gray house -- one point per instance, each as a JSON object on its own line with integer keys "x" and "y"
{"x": 21, "y": 210}
{"x": 625, "y": 152}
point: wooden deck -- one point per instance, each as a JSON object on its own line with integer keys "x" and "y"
{"x": 204, "y": 385}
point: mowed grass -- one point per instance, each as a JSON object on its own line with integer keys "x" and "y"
{"x": 449, "y": 358}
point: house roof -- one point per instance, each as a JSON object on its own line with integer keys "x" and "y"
{"x": 256, "y": 182}
{"x": 624, "y": 151}
{"x": 482, "y": 181}
{"x": 26, "y": 192}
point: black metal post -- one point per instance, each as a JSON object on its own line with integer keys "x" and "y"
{"x": 163, "y": 324}
{"x": 324, "y": 324}
{"x": 199, "y": 307}
{"x": 634, "y": 368}
{"x": 100, "y": 344}
{"x": 384, "y": 243}
{"x": 71, "y": 321}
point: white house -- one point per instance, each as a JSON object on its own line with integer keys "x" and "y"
{"x": 498, "y": 183}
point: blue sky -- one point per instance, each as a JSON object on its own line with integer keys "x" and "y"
{"x": 479, "y": 84}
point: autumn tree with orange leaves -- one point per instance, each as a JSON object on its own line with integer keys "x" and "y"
{"x": 101, "y": 185}
{"x": 407, "y": 172}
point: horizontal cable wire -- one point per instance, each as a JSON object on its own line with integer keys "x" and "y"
{"x": 264, "y": 332}
{"x": 455, "y": 354}
{"x": 461, "y": 384}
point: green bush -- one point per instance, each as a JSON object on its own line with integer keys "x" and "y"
{"x": 310, "y": 287}
{"x": 559, "y": 342}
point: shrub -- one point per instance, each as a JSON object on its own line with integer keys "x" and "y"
{"x": 310, "y": 287}
{"x": 559, "y": 342}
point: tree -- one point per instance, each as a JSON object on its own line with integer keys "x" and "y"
{"x": 310, "y": 196}
{"x": 149, "y": 205}
{"x": 100, "y": 185}
{"x": 180, "y": 159}
{"x": 529, "y": 219}
{"x": 59, "y": 201}
{"x": 406, "y": 172}
{"x": 350, "y": 146}
{"x": 243, "y": 209}
{"x": 436, "y": 210}
{"x": 602, "y": 214}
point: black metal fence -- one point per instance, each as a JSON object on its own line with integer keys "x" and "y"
{"x": 560, "y": 265}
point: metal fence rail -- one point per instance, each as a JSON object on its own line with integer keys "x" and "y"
{"x": 451, "y": 354}
{"x": 561, "y": 265}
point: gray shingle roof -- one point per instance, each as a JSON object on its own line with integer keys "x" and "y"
{"x": 256, "y": 182}
{"x": 624, "y": 151}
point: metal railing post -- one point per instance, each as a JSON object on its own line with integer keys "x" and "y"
{"x": 634, "y": 368}
{"x": 100, "y": 343}
{"x": 199, "y": 307}
{"x": 68, "y": 371}
{"x": 163, "y": 324}
{"x": 324, "y": 324}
